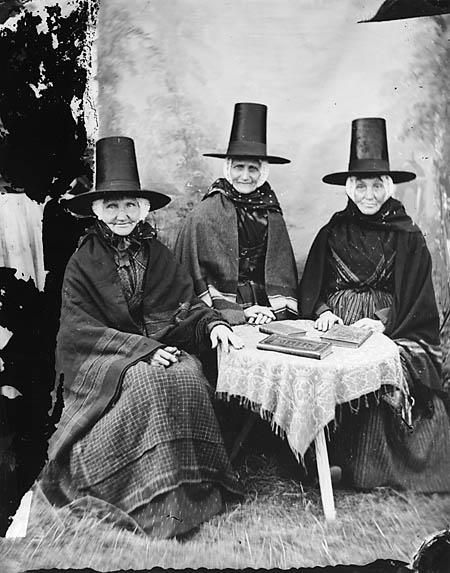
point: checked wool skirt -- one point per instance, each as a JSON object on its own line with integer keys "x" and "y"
{"x": 157, "y": 454}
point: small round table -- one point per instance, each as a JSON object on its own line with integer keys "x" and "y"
{"x": 299, "y": 395}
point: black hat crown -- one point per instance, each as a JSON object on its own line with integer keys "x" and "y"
{"x": 248, "y": 134}
{"x": 116, "y": 166}
{"x": 368, "y": 153}
{"x": 249, "y": 129}
{"x": 116, "y": 175}
{"x": 368, "y": 148}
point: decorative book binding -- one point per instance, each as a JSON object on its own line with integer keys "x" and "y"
{"x": 305, "y": 347}
{"x": 283, "y": 329}
{"x": 349, "y": 336}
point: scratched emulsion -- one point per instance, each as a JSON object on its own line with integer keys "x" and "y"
{"x": 43, "y": 146}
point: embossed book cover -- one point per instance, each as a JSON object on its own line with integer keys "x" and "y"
{"x": 349, "y": 336}
{"x": 304, "y": 347}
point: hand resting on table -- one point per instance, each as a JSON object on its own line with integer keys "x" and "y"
{"x": 257, "y": 314}
{"x": 224, "y": 336}
{"x": 326, "y": 320}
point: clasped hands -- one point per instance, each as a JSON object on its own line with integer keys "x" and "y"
{"x": 327, "y": 319}
{"x": 219, "y": 335}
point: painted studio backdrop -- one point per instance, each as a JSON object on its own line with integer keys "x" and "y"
{"x": 170, "y": 73}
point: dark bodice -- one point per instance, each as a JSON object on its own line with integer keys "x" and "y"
{"x": 362, "y": 260}
{"x": 252, "y": 240}
{"x": 252, "y": 225}
{"x": 360, "y": 272}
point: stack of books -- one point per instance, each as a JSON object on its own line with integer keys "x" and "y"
{"x": 348, "y": 336}
{"x": 306, "y": 347}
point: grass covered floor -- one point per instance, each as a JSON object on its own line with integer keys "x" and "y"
{"x": 280, "y": 524}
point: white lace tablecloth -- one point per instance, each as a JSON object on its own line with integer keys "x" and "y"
{"x": 299, "y": 395}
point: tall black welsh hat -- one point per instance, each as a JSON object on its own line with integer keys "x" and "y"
{"x": 368, "y": 154}
{"x": 116, "y": 175}
{"x": 248, "y": 134}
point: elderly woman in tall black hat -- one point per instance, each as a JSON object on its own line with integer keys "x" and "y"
{"x": 138, "y": 429}
{"x": 370, "y": 267}
{"x": 235, "y": 242}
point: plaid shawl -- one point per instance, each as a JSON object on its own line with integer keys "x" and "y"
{"x": 413, "y": 319}
{"x": 98, "y": 339}
{"x": 208, "y": 245}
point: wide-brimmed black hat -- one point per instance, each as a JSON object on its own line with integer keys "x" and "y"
{"x": 400, "y": 9}
{"x": 368, "y": 154}
{"x": 248, "y": 134}
{"x": 116, "y": 175}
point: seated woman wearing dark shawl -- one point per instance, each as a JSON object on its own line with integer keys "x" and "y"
{"x": 138, "y": 429}
{"x": 235, "y": 242}
{"x": 370, "y": 266}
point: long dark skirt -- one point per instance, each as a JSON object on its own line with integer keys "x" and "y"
{"x": 157, "y": 454}
{"x": 374, "y": 447}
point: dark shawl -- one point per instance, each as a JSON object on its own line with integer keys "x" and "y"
{"x": 208, "y": 246}
{"x": 413, "y": 315}
{"x": 98, "y": 339}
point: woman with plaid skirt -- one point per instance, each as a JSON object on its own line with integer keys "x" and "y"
{"x": 137, "y": 432}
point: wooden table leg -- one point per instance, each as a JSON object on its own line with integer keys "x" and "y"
{"x": 323, "y": 469}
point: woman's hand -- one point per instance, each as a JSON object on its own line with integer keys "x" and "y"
{"x": 165, "y": 356}
{"x": 257, "y": 314}
{"x": 370, "y": 323}
{"x": 222, "y": 335}
{"x": 326, "y": 321}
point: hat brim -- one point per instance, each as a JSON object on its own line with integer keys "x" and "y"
{"x": 82, "y": 204}
{"x": 340, "y": 178}
{"x": 268, "y": 158}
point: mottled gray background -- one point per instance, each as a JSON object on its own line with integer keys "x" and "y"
{"x": 169, "y": 73}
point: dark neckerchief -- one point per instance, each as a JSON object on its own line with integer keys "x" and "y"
{"x": 124, "y": 246}
{"x": 261, "y": 198}
{"x": 391, "y": 217}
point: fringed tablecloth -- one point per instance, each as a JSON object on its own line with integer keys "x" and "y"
{"x": 299, "y": 395}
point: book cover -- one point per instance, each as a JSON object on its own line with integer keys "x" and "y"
{"x": 283, "y": 329}
{"x": 305, "y": 347}
{"x": 349, "y": 336}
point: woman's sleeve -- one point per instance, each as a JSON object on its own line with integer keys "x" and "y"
{"x": 320, "y": 308}
{"x": 311, "y": 286}
{"x": 187, "y": 253}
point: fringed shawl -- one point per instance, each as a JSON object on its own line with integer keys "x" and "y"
{"x": 208, "y": 246}
{"x": 98, "y": 339}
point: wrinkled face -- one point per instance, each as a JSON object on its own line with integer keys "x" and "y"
{"x": 370, "y": 194}
{"x": 245, "y": 174}
{"x": 121, "y": 215}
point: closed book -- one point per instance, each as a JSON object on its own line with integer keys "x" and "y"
{"x": 348, "y": 336}
{"x": 283, "y": 329}
{"x": 306, "y": 347}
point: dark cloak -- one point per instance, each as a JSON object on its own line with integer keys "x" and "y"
{"x": 413, "y": 315}
{"x": 208, "y": 246}
{"x": 98, "y": 339}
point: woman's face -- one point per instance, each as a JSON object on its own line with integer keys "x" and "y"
{"x": 121, "y": 215}
{"x": 245, "y": 174}
{"x": 370, "y": 194}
